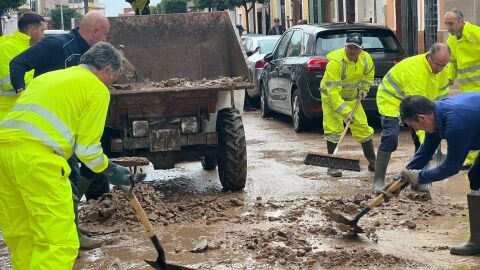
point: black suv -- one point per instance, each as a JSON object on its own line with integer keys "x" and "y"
{"x": 291, "y": 78}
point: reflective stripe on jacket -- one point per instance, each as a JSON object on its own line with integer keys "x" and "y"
{"x": 64, "y": 110}
{"x": 465, "y": 58}
{"x": 343, "y": 78}
{"x": 412, "y": 76}
{"x": 11, "y": 46}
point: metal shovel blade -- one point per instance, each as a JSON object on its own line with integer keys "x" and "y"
{"x": 342, "y": 223}
{"x": 158, "y": 265}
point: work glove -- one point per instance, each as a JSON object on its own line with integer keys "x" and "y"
{"x": 117, "y": 175}
{"x": 362, "y": 94}
{"x": 388, "y": 195}
{"x": 349, "y": 117}
{"x": 411, "y": 176}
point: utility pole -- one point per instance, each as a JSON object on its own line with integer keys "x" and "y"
{"x": 61, "y": 14}
{"x": 85, "y": 6}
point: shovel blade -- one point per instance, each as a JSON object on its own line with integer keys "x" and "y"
{"x": 165, "y": 266}
{"x": 342, "y": 223}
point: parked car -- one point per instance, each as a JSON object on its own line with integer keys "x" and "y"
{"x": 291, "y": 77}
{"x": 259, "y": 46}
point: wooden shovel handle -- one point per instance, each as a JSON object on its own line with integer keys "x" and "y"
{"x": 141, "y": 215}
{"x": 391, "y": 189}
{"x": 347, "y": 125}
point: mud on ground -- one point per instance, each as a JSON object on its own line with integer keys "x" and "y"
{"x": 276, "y": 233}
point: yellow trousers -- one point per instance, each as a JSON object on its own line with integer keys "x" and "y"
{"x": 6, "y": 103}
{"x": 36, "y": 213}
{"x": 333, "y": 123}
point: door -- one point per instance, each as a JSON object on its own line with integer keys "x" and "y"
{"x": 286, "y": 70}
{"x": 273, "y": 96}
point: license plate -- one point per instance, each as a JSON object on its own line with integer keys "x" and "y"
{"x": 377, "y": 81}
{"x": 164, "y": 140}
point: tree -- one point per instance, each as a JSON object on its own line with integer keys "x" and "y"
{"x": 155, "y": 9}
{"x": 7, "y": 5}
{"x": 68, "y": 14}
{"x": 172, "y": 6}
{"x": 212, "y": 4}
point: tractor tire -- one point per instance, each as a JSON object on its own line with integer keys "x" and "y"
{"x": 209, "y": 163}
{"x": 232, "y": 150}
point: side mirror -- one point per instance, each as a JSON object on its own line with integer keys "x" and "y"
{"x": 268, "y": 57}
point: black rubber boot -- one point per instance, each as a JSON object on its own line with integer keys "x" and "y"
{"x": 472, "y": 247}
{"x": 381, "y": 164}
{"x": 369, "y": 153}
{"x": 332, "y": 171}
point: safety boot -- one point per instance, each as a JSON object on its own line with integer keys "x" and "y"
{"x": 86, "y": 243}
{"x": 472, "y": 247}
{"x": 381, "y": 164}
{"x": 332, "y": 171}
{"x": 369, "y": 153}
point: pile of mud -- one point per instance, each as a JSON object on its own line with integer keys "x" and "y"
{"x": 113, "y": 209}
{"x": 180, "y": 83}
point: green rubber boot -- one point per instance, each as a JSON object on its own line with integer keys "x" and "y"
{"x": 381, "y": 164}
{"x": 332, "y": 171}
{"x": 472, "y": 247}
{"x": 369, "y": 153}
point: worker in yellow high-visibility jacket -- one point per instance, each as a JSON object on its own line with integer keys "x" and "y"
{"x": 464, "y": 41}
{"x": 60, "y": 113}
{"x": 30, "y": 31}
{"x": 425, "y": 75}
{"x": 349, "y": 74}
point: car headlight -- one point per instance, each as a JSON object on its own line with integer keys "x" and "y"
{"x": 189, "y": 124}
{"x": 140, "y": 128}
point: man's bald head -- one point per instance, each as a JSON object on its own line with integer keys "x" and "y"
{"x": 94, "y": 27}
{"x": 438, "y": 57}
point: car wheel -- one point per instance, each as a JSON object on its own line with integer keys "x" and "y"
{"x": 299, "y": 120}
{"x": 264, "y": 109}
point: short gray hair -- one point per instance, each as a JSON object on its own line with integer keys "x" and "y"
{"x": 438, "y": 47}
{"x": 102, "y": 54}
{"x": 458, "y": 13}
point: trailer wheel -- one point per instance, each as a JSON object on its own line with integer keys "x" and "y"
{"x": 232, "y": 150}
{"x": 209, "y": 163}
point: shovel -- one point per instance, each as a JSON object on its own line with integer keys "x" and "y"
{"x": 160, "y": 263}
{"x": 351, "y": 225}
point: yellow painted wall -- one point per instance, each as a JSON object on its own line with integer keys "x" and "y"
{"x": 305, "y": 8}
{"x": 288, "y": 15}
{"x": 273, "y": 10}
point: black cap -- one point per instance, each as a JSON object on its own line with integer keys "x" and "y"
{"x": 354, "y": 39}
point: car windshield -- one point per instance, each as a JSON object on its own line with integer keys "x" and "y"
{"x": 373, "y": 41}
{"x": 266, "y": 46}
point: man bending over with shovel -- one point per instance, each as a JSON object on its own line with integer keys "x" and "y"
{"x": 457, "y": 120}
{"x": 347, "y": 80}
{"x": 60, "y": 113}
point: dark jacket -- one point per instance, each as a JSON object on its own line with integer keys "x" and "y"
{"x": 272, "y": 31}
{"x": 52, "y": 53}
{"x": 458, "y": 122}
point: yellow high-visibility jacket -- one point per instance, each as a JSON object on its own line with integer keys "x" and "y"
{"x": 465, "y": 58}
{"x": 64, "y": 110}
{"x": 412, "y": 76}
{"x": 343, "y": 78}
{"x": 11, "y": 46}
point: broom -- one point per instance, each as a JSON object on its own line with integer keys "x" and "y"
{"x": 333, "y": 160}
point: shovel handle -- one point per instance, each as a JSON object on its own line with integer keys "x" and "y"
{"x": 391, "y": 189}
{"x": 141, "y": 215}
{"x": 347, "y": 125}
